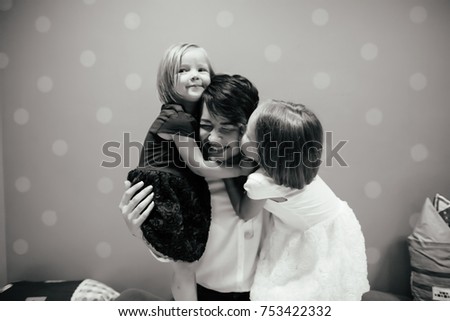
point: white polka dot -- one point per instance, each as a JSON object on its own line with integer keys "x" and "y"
{"x": 89, "y": 2}
{"x": 43, "y": 24}
{"x": 104, "y": 115}
{"x": 373, "y": 255}
{"x": 413, "y": 219}
{"x": 132, "y": 21}
{"x": 369, "y": 51}
{"x": 133, "y": 82}
{"x": 87, "y": 58}
{"x": 225, "y": 19}
{"x": 374, "y": 116}
{"x": 4, "y": 60}
{"x": 49, "y": 218}
{"x": 105, "y": 185}
{"x": 21, "y": 116}
{"x": 322, "y": 80}
{"x": 320, "y": 17}
{"x": 45, "y": 84}
{"x": 419, "y": 152}
{"x": 418, "y": 81}
{"x": 372, "y": 189}
{"x": 418, "y": 14}
{"x": 23, "y": 184}
{"x": 20, "y": 246}
{"x": 5, "y": 5}
{"x": 103, "y": 250}
{"x": 272, "y": 53}
{"x": 60, "y": 147}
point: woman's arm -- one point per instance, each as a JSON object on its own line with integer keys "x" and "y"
{"x": 184, "y": 281}
{"x": 245, "y": 207}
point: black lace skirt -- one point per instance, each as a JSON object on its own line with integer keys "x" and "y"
{"x": 178, "y": 225}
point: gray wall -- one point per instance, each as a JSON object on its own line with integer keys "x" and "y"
{"x": 3, "y": 275}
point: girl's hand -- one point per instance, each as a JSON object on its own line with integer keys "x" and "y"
{"x": 248, "y": 166}
{"x": 132, "y": 206}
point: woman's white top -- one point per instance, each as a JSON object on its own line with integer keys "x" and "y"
{"x": 229, "y": 261}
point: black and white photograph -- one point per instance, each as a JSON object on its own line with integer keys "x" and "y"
{"x": 212, "y": 150}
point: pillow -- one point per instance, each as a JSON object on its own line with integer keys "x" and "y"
{"x": 429, "y": 249}
{"x": 91, "y": 290}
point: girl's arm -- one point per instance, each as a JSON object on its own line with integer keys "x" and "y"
{"x": 193, "y": 157}
{"x": 245, "y": 207}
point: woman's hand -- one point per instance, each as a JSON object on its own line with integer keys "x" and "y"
{"x": 132, "y": 206}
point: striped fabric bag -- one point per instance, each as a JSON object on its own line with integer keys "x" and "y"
{"x": 429, "y": 249}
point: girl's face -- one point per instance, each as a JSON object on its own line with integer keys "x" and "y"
{"x": 193, "y": 75}
{"x": 249, "y": 145}
{"x": 219, "y": 136}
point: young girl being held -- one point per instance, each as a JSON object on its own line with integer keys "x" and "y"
{"x": 172, "y": 163}
{"x": 314, "y": 249}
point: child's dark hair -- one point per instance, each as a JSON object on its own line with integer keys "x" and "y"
{"x": 290, "y": 140}
{"x": 232, "y": 97}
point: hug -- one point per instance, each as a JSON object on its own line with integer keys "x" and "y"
{"x": 234, "y": 217}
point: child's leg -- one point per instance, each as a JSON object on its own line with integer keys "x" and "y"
{"x": 184, "y": 285}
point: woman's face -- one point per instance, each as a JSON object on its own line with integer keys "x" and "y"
{"x": 219, "y": 136}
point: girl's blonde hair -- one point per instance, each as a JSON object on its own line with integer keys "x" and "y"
{"x": 290, "y": 139}
{"x": 168, "y": 70}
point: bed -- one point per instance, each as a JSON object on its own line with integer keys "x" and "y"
{"x": 58, "y": 290}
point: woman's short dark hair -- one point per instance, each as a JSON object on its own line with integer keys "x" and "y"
{"x": 290, "y": 138}
{"x": 231, "y": 97}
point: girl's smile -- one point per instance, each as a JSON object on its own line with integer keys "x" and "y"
{"x": 193, "y": 75}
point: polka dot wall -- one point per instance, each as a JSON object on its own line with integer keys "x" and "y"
{"x": 78, "y": 92}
